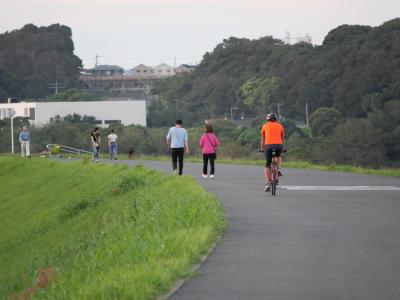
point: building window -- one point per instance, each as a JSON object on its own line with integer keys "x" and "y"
{"x": 26, "y": 112}
{"x": 137, "y": 71}
{"x": 32, "y": 113}
{"x": 98, "y": 122}
{"x": 144, "y": 71}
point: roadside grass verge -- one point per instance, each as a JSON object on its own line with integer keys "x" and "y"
{"x": 99, "y": 231}
{"x": 392, "y": 172}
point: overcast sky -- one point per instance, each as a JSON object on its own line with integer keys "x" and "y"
{"x": 129, "y": 32}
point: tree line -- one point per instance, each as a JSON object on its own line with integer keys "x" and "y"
{"x": 33, "y": 59}
{"x": 355, "y": 70}
{"x": 74, "y": 131}
{"x": 350, "y": 84}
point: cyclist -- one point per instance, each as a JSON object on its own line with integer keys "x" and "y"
{"x": 272, "y": 136}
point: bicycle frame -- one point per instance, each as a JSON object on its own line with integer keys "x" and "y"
{"x": 274, "y": 174}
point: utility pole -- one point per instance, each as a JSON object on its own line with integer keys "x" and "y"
{"x": 55, "y": 85}
{"x": 307, "y": 114}
{"x": 176, "y": 109}
{"x": 279, "y": 110}
{"x": 11, "y": 111}
{"x": 287, "y": 38}
{"x": 56, "y": 89}
{"x": 96, "y": 59}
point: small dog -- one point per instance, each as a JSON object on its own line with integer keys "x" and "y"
{"x": 131, "y": 152}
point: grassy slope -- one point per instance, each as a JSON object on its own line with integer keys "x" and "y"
{"x": 108, "y": 232}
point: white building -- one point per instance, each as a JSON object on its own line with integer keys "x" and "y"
{"x": 106, "y": 112}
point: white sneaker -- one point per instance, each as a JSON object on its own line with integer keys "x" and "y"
{"x": 175, "y": 172}
{"x": 212, "y": 177}
{"x": 205, "y": 176}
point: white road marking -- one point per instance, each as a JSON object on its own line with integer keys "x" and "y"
{"x": 340, "y": 188}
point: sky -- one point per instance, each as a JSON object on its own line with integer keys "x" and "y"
{"x": 130, "y": 32}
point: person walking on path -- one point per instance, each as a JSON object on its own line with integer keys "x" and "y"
{"x": 209, "y": 144}
{"x": 95, "y": 139}
{"x": 112, "y": 145}
{"x": 177, "y": 140}
{"x": 25, "y": 139}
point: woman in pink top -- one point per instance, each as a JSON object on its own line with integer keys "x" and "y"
{"x": 209, "y": 144}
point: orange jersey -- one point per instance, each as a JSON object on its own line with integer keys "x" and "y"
{"x": 273, "y": 133}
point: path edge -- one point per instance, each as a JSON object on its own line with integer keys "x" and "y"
{"x": 181, "y": 281}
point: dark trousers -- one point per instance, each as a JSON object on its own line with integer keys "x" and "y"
{"x": 177, "y": 154}
{"x": 207, "y": 157}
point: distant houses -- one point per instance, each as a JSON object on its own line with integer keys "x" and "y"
{"x": 105, "y": 70}
{"x": 163, "y": 70}
{"x": 141, "y": 71}
{"x": 185, "y": 68}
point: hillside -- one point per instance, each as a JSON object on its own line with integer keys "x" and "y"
{"x": 350, "y": 83}
{"x": 82, "y": 231}
{"x": 356, "y": 70}
{"x": 32, "y": 58}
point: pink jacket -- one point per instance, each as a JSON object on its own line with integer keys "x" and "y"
{"x": 208, "y": 143}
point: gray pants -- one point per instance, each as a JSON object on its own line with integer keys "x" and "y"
{"x": 25, "y": 149}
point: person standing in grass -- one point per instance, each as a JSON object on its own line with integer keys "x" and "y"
{"x": 95, "y": 139}
{"x": 209, "y": 144}
{"x": 25, "y": 139}
{"x": 112, "y": 144}
{"x": 177, "y": 140}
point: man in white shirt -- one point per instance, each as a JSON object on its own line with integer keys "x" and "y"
{"x": 112, "y": 144}
{"x": 177, "y": 139}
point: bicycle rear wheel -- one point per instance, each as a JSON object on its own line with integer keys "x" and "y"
{"x": 273, "y": 188}
{"x": 274, "y": 178}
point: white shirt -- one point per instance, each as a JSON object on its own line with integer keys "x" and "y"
{"x": 112, "y": 138}
{"x": 178, "y": 137}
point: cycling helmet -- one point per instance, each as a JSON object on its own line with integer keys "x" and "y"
{"x": 272, "y": 117}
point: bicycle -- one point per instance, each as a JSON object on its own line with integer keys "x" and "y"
{"x": 274, "y": 171}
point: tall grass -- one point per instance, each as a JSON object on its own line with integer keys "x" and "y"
{"x": 104, "y": 231}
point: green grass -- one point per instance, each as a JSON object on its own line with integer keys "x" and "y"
{"x": 107, "y": 231}
{"x": 393, "y": 172}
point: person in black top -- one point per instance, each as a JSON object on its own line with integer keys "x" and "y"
{"x": 95, "y": 139}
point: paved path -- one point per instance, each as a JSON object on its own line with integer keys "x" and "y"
{"x": 306, "y": 243}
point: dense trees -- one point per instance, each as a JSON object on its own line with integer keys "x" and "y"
{"x": 356, "y": 70}
{"x": 351, "y": 84}
{"x": 32, "y": 58}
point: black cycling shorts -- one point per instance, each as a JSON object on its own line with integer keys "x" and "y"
{"x": 277, "y": 148}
